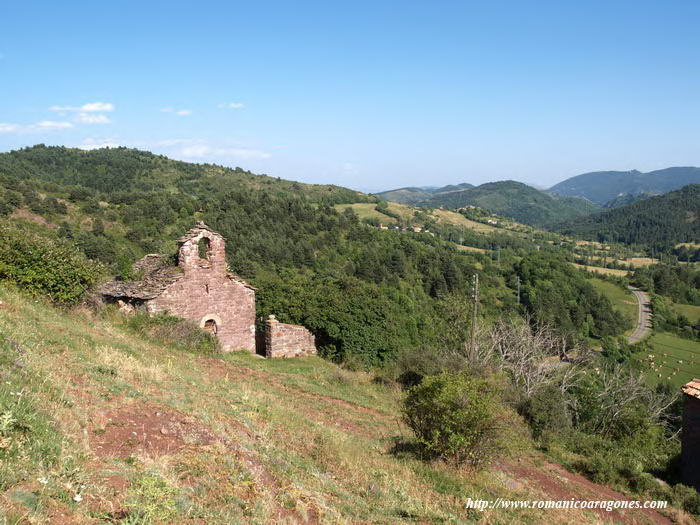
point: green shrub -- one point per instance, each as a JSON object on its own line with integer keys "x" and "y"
{"x": 686, "y": 498}
{"x": 455, "y": 417}
{"x": 173, "y": 330}
{"x": 547, "y": 411}
{"x": 46, "y": 266}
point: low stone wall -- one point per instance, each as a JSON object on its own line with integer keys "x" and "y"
{"x": 287, "y": 340}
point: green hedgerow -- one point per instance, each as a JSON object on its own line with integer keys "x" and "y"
{"x": 40, "y": 264}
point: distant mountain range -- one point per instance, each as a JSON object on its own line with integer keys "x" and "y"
{"x": 660, "y": 222}
{"x": 507, "y": 198}
{"x": 602, "y": 187}
{"x": 413, "y": 195}
{"x": 575, "y": 197}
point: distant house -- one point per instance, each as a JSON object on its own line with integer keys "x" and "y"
{"x": 690, "y": 437}
{"x": 383, "y": 226}
{"x": 417, "y": 229}
{"x": 201, "y": 289}
{"x": 492, "y": 221}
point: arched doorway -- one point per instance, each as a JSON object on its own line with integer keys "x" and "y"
{"x": 210, "y": 326}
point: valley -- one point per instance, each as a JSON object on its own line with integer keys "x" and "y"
{"x": 389, "y": 292}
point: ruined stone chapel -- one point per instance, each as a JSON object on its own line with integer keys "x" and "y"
{"x": 201, "y": 289}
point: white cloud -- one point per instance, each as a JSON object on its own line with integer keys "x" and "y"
{"x": 200, "y": 151}
{"x": 87, "y": 118}
{"x": 232, "y": 105}
{"x": 172, "y": 142}
{"x": 90, "y": 107}
{"x": 181, "y": 112}
{"x": 43, "y": 126}
{"x": 196, "y": 151}
{"x": 52, "y": 124}
{"x": 90, "y": 144}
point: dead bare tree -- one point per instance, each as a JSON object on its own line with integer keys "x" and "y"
{"x": 532, "y": 358}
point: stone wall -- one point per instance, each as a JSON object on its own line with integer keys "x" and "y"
{"x": 206, "y": 292}
{"x": 287, "y": 340}
{"x": 690, "y": 442}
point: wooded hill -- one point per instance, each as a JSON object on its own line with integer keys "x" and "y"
{"x": 396, "y": 303}
{"x": 510, "y": 199}
{"x": 603, "y": 186}
{"x": 365, "y": 293}
{"x": 414, "y": 195}
{"x": 515, "y": 200}
{"x": 659, "y": 222}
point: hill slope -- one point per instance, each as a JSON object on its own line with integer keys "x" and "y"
{"x": 101, "y": 425}
{"x": 660, "y": 222}
{"x": 414, "y": 195}
{"x": 122, "y": 169}
{"x": 603, "y": 186}
{"x": 314, "y": 265}
{"x": 515, "y": 200}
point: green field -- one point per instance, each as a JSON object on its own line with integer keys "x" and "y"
{"x": 622, "y": 299}
{"x": 690, "y": 311}
{"x": 675, "y": 359}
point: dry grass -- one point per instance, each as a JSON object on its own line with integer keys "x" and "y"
{"x": 457, "y": 219}
{"x": 254, "y": 441}
{"x": 603, "y": 271}
{"x": 470, "y": 249}
{"x": 638, "y": 262}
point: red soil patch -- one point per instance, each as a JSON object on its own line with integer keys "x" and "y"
{"x": 144, "y": 428}
{"x": 559, "y": 484}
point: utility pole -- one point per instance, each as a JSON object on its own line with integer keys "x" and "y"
{"x": 475, "y": 311}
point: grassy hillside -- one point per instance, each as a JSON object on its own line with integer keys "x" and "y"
{"x": 622, "y": 299}
{"x": 660, "y": 222}
{"x": 690, "y": 311}
{"x": 602, "y": 187}
{"x": 673, "y": 359}
{"x": 98, "y": 425}
{"x": 515, "y": 200}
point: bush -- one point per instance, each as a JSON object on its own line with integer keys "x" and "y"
{"x": 173, "y": 330}
{"x": 455, "y": 417}
{"x": 547, "y": 411}
{"x": 44, "y": 265}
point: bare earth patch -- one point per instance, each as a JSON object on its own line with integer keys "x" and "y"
{"x": 145, "y": 428}
{"x": 556, "y": 483}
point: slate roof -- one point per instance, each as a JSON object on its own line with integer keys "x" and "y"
{"x": 692, "y": 388}
{"x": 152, "y": 285}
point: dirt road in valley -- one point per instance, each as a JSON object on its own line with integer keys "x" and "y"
{"x": 643, "y": 328}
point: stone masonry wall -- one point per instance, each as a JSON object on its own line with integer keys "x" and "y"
{"x": 205, "y": 292}
{"x": 690, "y": 442}
{"x": 287, "y": 340}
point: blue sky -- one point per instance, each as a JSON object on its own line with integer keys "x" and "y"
{"x": 371, "y": 95}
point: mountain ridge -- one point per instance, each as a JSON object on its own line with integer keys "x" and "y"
{"x": 601, "y": 187}
{"x": 661, "y": 221}
{"x": 509, "y": 198}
